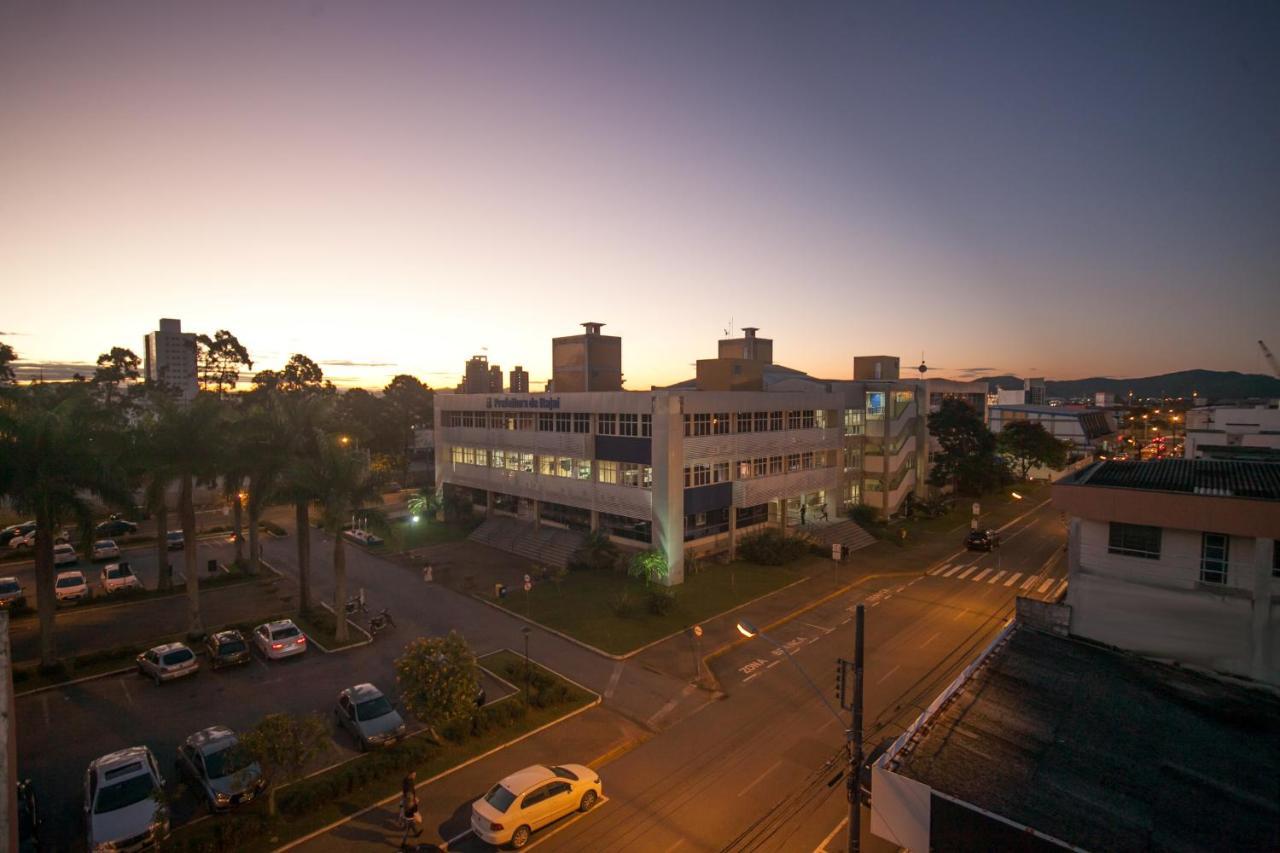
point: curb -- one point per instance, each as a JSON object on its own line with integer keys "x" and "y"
{"x": 627, "y": 656}
{"x": 368, "y": 638}
{"x": 391, "y": 799}
{"x": 62, "y": 684}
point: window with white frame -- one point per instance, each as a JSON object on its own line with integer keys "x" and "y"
{"x": 1214, "y": 554}
{"x": 607, "y": 472}
{"x": 745, "y": 420}
{"x": 564, "y": 422}
{"x": 606, "y": 424}
{"x": 1134, "y": 540}
{"x": 720, "y": 472}
{"x": 775, "y": 421}
{"x": 720, "y": 423}
{"x": 629, "y": 425}
{"x": 564, "y": 466}
{"x": 646, "y": 426}
{"x": 775, "y": 464}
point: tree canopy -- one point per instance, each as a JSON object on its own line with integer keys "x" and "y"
{"x": 219, "y": 359}
{"x": 7, "y": 358}
{"x": 283, "y": 744}
{"x": 114, "y": 367}
{"x": 438, "y": 679}
{"x": 1027, "y": 444}
{"x": 967, "y": 459}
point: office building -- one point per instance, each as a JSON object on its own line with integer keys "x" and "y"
{"x": 1177, "y": 559}
{"x": 1088, "y": 430}
{"x": 169, "y": 359}
{"x": 743, "y": 445}
{"x": 1035, "y": 392}
{"x": 495, "y": 379}
{"x": 1233, "y": 432}
{"x": 518, "y": 380}
{"x": 587, "y": 362}
{"x": 475, "y": 379}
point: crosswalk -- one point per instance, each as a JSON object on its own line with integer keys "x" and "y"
{"x": 1028, "y": 584}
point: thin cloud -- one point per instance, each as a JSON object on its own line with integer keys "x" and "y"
{"x": 26, "y": 370}
{"x": 342, "y": 362}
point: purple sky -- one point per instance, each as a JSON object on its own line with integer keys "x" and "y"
{"x": 1061, "y": 189}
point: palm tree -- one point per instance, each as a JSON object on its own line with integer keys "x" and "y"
{"x": 263, "y": 453}
{"x": 189, "y": 436}
{"x": 306, "y": 414}
{"x": 157, "y": 446}
{"x": 341, "y": 482}
{"x": 57, "y": 448}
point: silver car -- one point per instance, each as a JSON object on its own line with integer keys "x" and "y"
{"x": 123, "y": 801}
{"x": 214, "y": 762}
{"x": 167, "y": 662}
{"x": 364, "y": 711}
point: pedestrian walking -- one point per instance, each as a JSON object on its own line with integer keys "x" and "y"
{"x": 803, "y": 507}
{"x": 412, "y": 820}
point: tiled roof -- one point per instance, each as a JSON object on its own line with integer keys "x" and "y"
{"x": 1224, "y": 478}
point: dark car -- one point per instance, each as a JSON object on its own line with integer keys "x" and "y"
{"x": 114, "y": 526}
{"x": 15, "y": 530}
{"x": 982, "y": 540}
{"x": 227, "y": 648}
{"x": 225, "y": 774}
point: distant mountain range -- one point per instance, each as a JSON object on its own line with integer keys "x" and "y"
{"x": 1213, "y": 384}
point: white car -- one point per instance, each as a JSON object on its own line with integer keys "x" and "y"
{"x": 532, "y": 798}
{"x": 280, "y": 639}
{"x": 106, "y": 549}
{"x": 70, "y": 586}
{"x": 65, "y": 555}
{"x": 123, "y": 801}
{"x": 117, "y": 577}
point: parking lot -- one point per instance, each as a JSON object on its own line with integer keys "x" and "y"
{"x": 60, "y": 731}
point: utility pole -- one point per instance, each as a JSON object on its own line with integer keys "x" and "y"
{"x": 855, "y": 736}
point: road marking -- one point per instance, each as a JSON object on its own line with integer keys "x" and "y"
{"x": 613, "y": 679}
{"x": 822, "y": 848}
{"x": 940, "y": 569}
{"x": 846, "y": 620}
{"x": 881, "y": 679}
{"x": 751, "y": 676}
{"x": 125, "y": 688}
{"x": 773, "y": 664}
{"x": 1045, "y": 586}
{"x": 760, "y": 778}
{"x": 1057, "y": 592}
{"x": 982, "y": 574}
{"x": 999, "y": 575}
{"x": 1029, "y": 582}
{"x": 44, "y": 705}
{"x": 960, "y": 611}
{"x": 679, "y": 841}
{"x": 1013, "y": 578}
{"x": 562, "y": 823}
{"x": 928, "y": 641}
{"x": 949, "y": 574}
{"x": 816, "y": 627}
{"x": 966, "y": 572}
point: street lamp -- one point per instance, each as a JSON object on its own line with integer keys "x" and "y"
{"x": 852, "y": 734}
{"x": 1016, "y": 496}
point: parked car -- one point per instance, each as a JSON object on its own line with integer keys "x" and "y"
{"x": 167, "y": 662}
{"x": 117, "y": 577}
{"x": 528, "y": 800}
{"x": 28, "y": 818}
{"x": 123, "y": 801}
{"x": 65, "y": 555}
{"x": 22, "y": 540}
{"x": 226, "y": 648}
{"x": 280, "y": 639}
{"x": 364, "y": 711}
{"x": 114, "y": 526}
{"x": 174, "y": 540}
{"x": 12, "y": 594}
{"x": 224, "y": 773}
{"x": 982, "y": 540}
{"x": 14, "y": 530}
{"x": 105, "y": 549}
{"x": 70, "y": 587}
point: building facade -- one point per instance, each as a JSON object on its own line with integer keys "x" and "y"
{"x": 169, "y": 359}
{"x": 1225, "y": 432}
{"x": 1088, "y": 430}
{"x": 518, "y": 382}
{"x": 1177, "y": 559}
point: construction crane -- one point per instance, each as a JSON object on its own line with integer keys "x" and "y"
{"x": 1271, "y": 359}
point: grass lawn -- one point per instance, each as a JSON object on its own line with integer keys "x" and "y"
{"x": 997, "y": 508}
{"x": 315, "y": 802}
{"x": 583, "y": 606}
{"x": 408, "y": 535}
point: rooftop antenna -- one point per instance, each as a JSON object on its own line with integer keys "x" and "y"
{"x": 923, "y": 368}
{"x": 729, "y": 331}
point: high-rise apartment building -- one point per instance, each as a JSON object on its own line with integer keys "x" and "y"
{"x": 519, "y": 380}
{"x": 587, "y": 362}
{"x": 476, "y": 378}
{"x": 169, "y": 359}
{"x": 495, "y": 379}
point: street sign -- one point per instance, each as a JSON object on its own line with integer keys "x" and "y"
{"x": 527, "y": 579}
{"x": 976, "y": 508}
{"x": 528, "y": 585}
{"x": 697, "y": 630}
{"x": 837, "y": 551}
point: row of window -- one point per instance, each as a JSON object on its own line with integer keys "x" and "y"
{"x": 704, "y": 474}
{"x": 634, "y": 425}
{"x": 614, "y": 473}
{"x": 727, "y": 423}
{"x": 1143, "y": 540}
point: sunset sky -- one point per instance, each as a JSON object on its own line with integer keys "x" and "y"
{"x": 1067, "y": 189}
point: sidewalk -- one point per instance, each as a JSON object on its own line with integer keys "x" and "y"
{"x": 446, "y": 803}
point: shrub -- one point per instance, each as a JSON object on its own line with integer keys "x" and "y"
{"x": 597, "y": 554}
{"x": 660, "y": 601}
{"x": 693, "y": 563}
{"x": 771, "y": 548}
{"x": 864, "y": 514}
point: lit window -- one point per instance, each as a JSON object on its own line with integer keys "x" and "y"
{"x": 526, "y": 462}
{"x": 482, "y": 456}
{"x": 720, "y": 472}
{"x": 469, "y": 455}
{"x": 720, "y": 423}
{"x": 547, "y": 465}
{"x": 584, "y": 468}
{"x": 607, "y": 472}
{"x": 564, "y": 466}
{"x": 499, "y": 458}
{"x": 744, "y": 469}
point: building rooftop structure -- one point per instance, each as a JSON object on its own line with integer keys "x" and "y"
{"x": 1223, "y": 478}
{"x": 1058, "y": 740}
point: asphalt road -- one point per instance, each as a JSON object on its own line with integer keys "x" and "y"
{"x": 751, "y": 772}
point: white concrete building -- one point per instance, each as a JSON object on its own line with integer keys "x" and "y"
{"x": 1086, "y": 429}
{"x": 1177, "y": 559}
{"x": 1233, "y": 432}
{"x": 169, "y": 359}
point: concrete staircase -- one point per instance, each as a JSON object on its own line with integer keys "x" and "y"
{"x": 846, "y": 532}
{"x": 549, "y": 546}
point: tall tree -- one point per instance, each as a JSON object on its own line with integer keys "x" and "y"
{"x": 7, "y": 358}
{"x": 219, "y": 360}
{"x": 967, "y": 459}
{"x": 114, "y": 367}
{"x": 300, "y": 374}
{"x": 410, "y": 403}
{"x": 1027, "y": 444}
{"x": 57, "y": 450}
{"x": 307, "y": 416}
{"x": 341, "y": 482}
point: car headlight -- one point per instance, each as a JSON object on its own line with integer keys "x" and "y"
{"x": 222, "y": 799}
{"x": 401, "y": 729}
